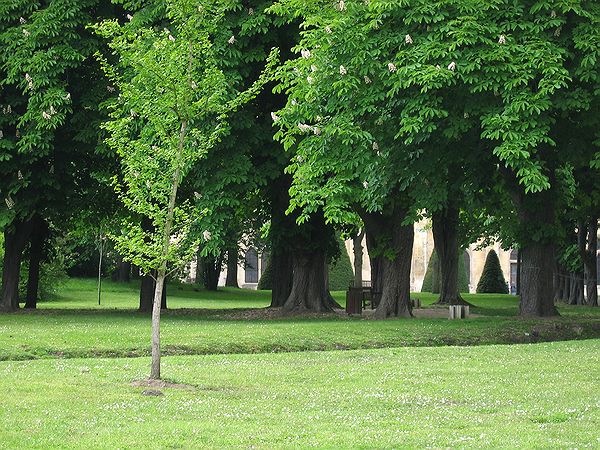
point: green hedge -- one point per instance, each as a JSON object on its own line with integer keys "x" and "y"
{"x": 492, "y": 279}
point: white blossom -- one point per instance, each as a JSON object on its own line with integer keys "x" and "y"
{"x": 318, "y": 118}
{"x": 22, "y": 20}
{"x": 52, "y": 110}
{"x": 408, "y": 39}
{"x": 309, "y": 79}
{"x": 437, "y": 66}
{"x": 9, "y": 202}
{"x": 194, "y": 85}
{"x": 1, "y": 134}
{"x": 304, "y": 127}
{"x": 343, "y": 70}
{"x": 553, "y": 14}
{"x": 367, "y": 80}
{"x": 558, "y": 31}
{"x": 316, "y": 131}
{"x": 110, "y": 88}
{"x": 231, "y": 40}
{"x": 52, "y": 168}
{"x": 328, "y": 29}
{"x": 341, "y": 5}
{"x": 366, "y": 184}
{"x": 313, "y": 68}
{"x": 375, "y": 146}
{"x": 129, "y": 17}
{"x": 68, "y": 96}
{"x": 305, "y": 53}
{"x": 250, "y": 11}
{"x": 148, "y": 184}
{"x": 274, "y": 116}
{"x": 206, "y": 235}
{"x": 46, "y": 116}
{"x": 391, "y": 67}
{"x": 197, "y": 196}
{"x": 294, "y": 102}
{"x": 19, "y": 175}
{"x": 502, "y": 39}
{"x": 452, "y": 66}
{"x": 29, "y": 80}
{"x": 171, "y": 38}
{"x": 26, "y": 32}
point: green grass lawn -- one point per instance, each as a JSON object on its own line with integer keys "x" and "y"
{"x": 519, "y": 396}
{"x": 61, "y": 328}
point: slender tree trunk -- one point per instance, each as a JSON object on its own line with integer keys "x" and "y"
{"x": 536, "y": 278}
{"x": 445, "y": 237}
{"x": 232, "y": 268}
{"x": 162, "y": 270}
{"x": 591, "y": 263}
{"x": 391, "y": 243}
{"x": 123, "y": 271}
{"x": 36, "y": 252}
{"x": 212, "y": 270}
{"x": 15, "y": 240}
{"x": 358, "y": 258}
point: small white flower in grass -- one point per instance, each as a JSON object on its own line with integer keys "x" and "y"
{"x": 343, "y": 70}
{"x": 171, "y": 38}
{"x": 305, "y": 53}
{"x": 231, "y": 40}
{"x": 391, "y": 67}
{"x": 313, "y": 68}
{"x": 26, "y": 33}
{"x": 250, "y": 11}
{"x": 452, "y": 66}
{"x": 194, "y": 85}
{"x": 342, "y": 5}
{"x": 502, "y": 39}
{"x": 206, "y": 235}
{"x": 129, "y": 17}
{"x": 274, "y": 116}
{"x": 46, "y": 116}
{"x": 408, "y": 39}
{"x": 366, "y": 184}
{"x": 367, "y": 80}
{"x": 22, "y": 20}
{"x": 328, "y": 29}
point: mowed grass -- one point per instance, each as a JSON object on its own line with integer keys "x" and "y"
{"x": 519, "y": 396}
{"x": 72, "y": 325}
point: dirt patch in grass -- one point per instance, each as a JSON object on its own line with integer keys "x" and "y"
{"x": 160, "y": 384}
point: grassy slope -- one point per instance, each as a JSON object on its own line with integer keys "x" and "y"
{"x": 59, "y": 329}
{"x": 407, "y": 397}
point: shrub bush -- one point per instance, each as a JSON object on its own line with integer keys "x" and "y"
{"x": 492, "y": 279}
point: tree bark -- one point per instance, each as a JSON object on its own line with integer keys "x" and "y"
{"x": 391, "y": 244}
{"x": 308, "y": 291}
{"x": 38, "y": 238}
{"x": 15, "y": 240}
{"x": 199, "y": 279}
{"x": 232, "y": 268}
{"x": 146, "y": 293}
{"x": 591, "y": 263}
{"x": 358, "y": 257}
{"x": 212, "y": 270}
{"x": 446, "y": 243}
{"x": 536, "y": 277}
{"x": 123, "y": 271}
{"x": 281, "y": 276}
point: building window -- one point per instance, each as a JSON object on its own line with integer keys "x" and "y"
{"x": 251, "y": 266}
{"x": 514, "y": 254}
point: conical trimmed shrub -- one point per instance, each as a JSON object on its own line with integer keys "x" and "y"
{"x": 492, "y": 279}
{"x": 341, "y": 274}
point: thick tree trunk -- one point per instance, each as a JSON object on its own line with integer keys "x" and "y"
{"x": 591, "y": 263}
{"x": 232, "y": 268}
{"x": 281, "y": 276}
{"x": 536, "y": 277}
{"x": 212, "y": 271}
{"x": 519, "y": 260}
{"x": 36, "y": 252}
{"x": 576, "y": 289}
{"x": 391, "y": 243}
{"x": 358, "y": 257}
{"x": 15, "y": 240}
{"x": 308, "y": 286}
{"x": 445, "y": 237}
